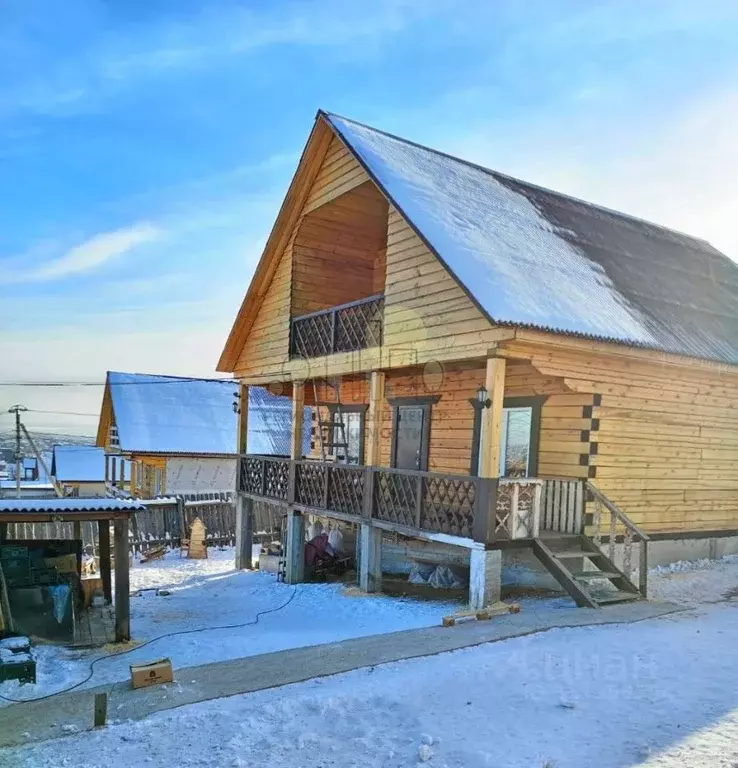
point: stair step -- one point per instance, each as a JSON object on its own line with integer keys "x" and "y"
{"x": 585, "y": 575}
{"x": 570, "y": 554}
{"x": 616, "y": 597}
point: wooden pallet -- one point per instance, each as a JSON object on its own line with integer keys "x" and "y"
{"x": 484, "y": 614}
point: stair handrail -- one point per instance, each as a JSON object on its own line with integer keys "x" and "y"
{"x": 615, "y": 510}
{"x": 634, "y": 531}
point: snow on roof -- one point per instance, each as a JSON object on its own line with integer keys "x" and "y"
{"x": 537, "y": 258}
{"x": 78, "y": 463}
{"x": 61, "y": 506}
{"x": 168, "y": 414}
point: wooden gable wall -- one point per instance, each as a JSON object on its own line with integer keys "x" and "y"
{"x": 266, "y": 350}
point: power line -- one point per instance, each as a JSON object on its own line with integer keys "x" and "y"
{"x": 164, "y": 381}
{"x": 64, "y": 413}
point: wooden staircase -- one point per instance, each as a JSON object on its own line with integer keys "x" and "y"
{"x": 588, "y": 575}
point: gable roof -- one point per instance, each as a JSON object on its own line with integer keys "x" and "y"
{"x": 536, "y": 258}
{"x": 78, "y": 463}
{"x": 178, "y": 415}
{"x": 530, "y": 257}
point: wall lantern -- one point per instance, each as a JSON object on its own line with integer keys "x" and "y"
{"x": 483, "y": 400}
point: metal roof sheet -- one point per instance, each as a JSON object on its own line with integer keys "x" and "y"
{"x": 536, "y": 258}
{"x": 78, "y": 463}
{"x": 169, "y": 414}
{"x": 62, "y": 506}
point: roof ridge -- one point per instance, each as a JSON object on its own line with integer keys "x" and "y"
{"x": 172, "y": 377}
{"x": 548, "y": 190}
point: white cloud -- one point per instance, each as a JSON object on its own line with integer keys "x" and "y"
{"x": 91, "y": 254}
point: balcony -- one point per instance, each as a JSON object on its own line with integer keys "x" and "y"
{"x": 344, "y": 328}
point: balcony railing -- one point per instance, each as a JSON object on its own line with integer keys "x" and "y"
{"x": 457, "y": 505}
{"x": 345, "y": 328}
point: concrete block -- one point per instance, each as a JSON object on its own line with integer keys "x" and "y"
{"x": 485, "y": 578}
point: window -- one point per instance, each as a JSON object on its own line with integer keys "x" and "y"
{"x": 353, "y": 427}
{"x": 113, "y": 440}
{"x": 521, "y": 418}
{"x": 515, "y": 448}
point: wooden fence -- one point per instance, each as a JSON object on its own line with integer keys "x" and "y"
{"x": 163, "y": 522}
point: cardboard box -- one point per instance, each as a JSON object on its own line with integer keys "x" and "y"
{"x": 153, "y": 673}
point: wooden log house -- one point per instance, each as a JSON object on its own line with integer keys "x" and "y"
{"x": 491, "y": 364}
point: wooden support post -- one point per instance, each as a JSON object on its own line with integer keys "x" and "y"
{"x": 122, "y": 473}
{"x": 79, "y": 548}
{"x": 373, "y": 425}
{"x": 298, "y": 418}
{"x": 243, "y": 419}
{"x": 103, "y": 535}
{"x": 122, "y": 581}
{"x": 485, "y": 578}
{"x": 101, "y": 709}
{"x": 370, "y": 559}
{"x": 244, "y": 532}
{"x": 491, "y": 431}
{"x": 3, "y": 533}
{"x": 295, "y": 555}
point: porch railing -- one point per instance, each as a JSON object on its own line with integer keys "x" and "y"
{"x": 344, "y": 328}
{"x": 457, "y": 505}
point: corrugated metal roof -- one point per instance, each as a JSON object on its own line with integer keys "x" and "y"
{"x": 536, "y": 258}
{"x": 78, "y": 463}
{"x": 168, "y": 414}
{"x": 61, "y": 506}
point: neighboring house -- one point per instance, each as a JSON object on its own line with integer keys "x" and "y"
{"x": 32, "y": 489}
{"x": 180, "y": 433}
{"x": 475, "y": 324}
{"x": 29, "y": 468}
{"x": 79, "y": 470}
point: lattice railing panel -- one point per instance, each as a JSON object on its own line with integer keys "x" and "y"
{"x": 359, "y": 326}
{"x": 346, "y": 489}
{"x": 312, "y": 336}
{"x": 310, "y": 484}
{"x": 276, "y": 478}
{"x": 395, "y": 498}
{"x": 344, "y": 328}
{"x": 448, "y": 505}
{"x": 251, "y": 474}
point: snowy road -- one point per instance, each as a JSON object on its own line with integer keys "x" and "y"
{"x": 659, "y": 694}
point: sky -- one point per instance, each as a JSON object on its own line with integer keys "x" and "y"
{"x": 145, "y": 147}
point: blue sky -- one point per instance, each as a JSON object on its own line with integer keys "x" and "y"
{"x": 145, "y": 146}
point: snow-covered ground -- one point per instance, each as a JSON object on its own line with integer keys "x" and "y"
{"x": 659, "y": 693}
{"x": 210, "y": 593}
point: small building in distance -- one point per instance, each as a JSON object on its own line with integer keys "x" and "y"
{"x": 79, "y": 470}
{"x": 181, "y": 433}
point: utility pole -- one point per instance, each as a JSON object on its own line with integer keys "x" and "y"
{"x": 17, "y": 409}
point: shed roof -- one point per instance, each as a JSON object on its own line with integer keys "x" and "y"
{"x": 170, "y": 414}
{"x": 48, "y": 509}
{"x": 535, "y": 258}
{"x": 78, "y": 463}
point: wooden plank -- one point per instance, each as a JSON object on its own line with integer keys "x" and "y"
{"x": 298, "y": 405}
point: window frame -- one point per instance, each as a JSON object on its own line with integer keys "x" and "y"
{"x": 535, "y": 403}
{"x": 361, "y": 409}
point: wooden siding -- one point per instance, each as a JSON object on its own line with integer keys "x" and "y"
{"x": 267, "y": 344}
{"x": 452, "y": 417}
{"x": 664, "y": 439}
{"x": 338, "y": 252}
{"x": 425, "y": 308}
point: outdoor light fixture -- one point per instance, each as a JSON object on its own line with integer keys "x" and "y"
{"x": 483, "y": 400}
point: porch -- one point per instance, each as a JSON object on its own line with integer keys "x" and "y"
{"x": 575, "y": 531}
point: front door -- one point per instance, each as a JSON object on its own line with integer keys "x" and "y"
{"x": 410, "y": 428}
